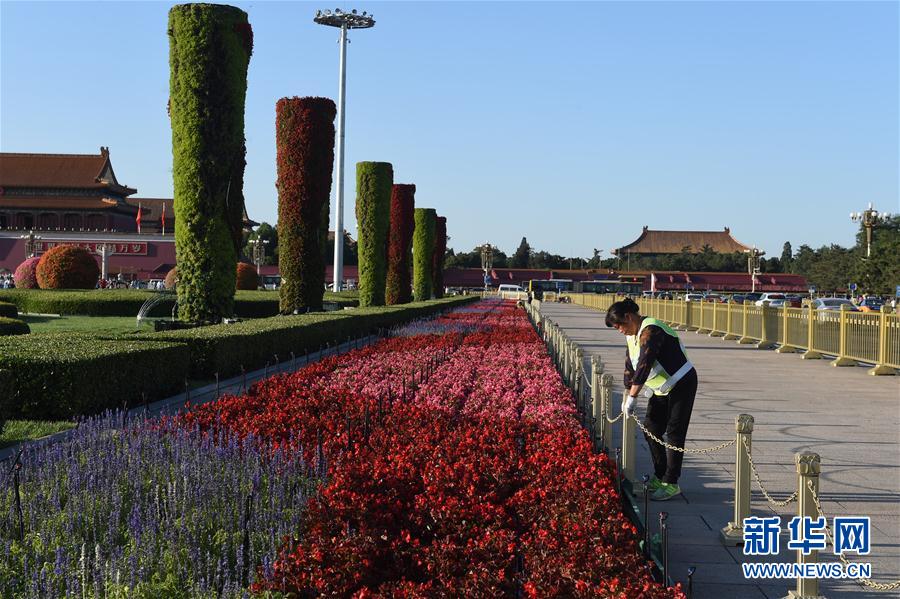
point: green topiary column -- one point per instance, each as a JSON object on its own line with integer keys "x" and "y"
{"x": 423, "y": 252}
{"x": 437, "y": 256}
{"x": 209, "y": 50}
{"x": 304, "y": 139}
{"x": 399, "y": 288}
{"x": 374, "y": 181}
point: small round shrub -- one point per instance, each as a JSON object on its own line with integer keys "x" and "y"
{"x": 67, "y": 267}
{"x": 8, "y": 310}
{"x": 25, "y": 276}
{"x": 171, "y": 278}
{"x": 11, "y": 326}
{"x": 246, "y": 277}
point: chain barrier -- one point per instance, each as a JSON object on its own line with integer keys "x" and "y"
{"x": 586, "y": 380}
{"x": 613, "y": 420}
{"x": 889, "y": 586}
{"x": 793, "y": 496}
{"x": 681, "y": 449}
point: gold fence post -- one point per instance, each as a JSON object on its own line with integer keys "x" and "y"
{"x": 729, "y": 321}
{"x": 811, "y": 318}
{"x": 882, "y": 368}
{"x": 606, "y": 386}
{"x": 596, "y": 371}
{"x": 767, "y": 335}
{"x": 843, "y": 359}
{"x": 704, "y": 330}
{"x": 808, "y": 468}
{"x": 733, "y": 534}
{"x": 786, "y": 347}
{"x": 716, "y": 332}
{"x": 628, "y": 444}
{"x": 745, "y": 338}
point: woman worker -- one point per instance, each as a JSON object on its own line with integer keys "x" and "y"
{"x": 655, "y": 358}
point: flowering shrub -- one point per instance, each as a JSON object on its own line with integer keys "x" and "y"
{"x": 67, "y": 267}
{"x": 247, "y": 279}
{"x": 171, "y": 278}
{"x": 25, "y": 276}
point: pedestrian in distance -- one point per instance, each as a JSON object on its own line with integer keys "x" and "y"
{"x": 655, "y": 360}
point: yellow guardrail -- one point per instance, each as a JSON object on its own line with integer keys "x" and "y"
{"x": 872, "y": 337}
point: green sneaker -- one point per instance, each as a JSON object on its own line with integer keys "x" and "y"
{"x": 653, "y": 484}
{"x": 665, "y": 492}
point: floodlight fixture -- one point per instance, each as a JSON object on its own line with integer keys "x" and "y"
{"x": 343, "y": 20}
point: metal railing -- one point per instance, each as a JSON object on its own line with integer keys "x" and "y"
{"x": 851, "y": 337}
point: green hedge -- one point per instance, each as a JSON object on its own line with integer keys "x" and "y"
{"x": 209, "y": 51}
{"x": 12, "y": 326}
{"x": 8, "y": 310}
{"x": 58, "y": 376}
{"x": 225, "y": 348}
{"x": 374, "y": 181}
{"x": 423, "y": 250}
{"x": 127, "y": 302}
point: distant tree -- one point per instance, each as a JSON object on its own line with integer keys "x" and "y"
{"x": 522, "y": 257}
{"x": 787, "y": 257}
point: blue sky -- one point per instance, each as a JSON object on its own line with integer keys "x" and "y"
{"x": 573, "y": 124}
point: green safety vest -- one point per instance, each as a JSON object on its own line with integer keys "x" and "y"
{"x": 659, "y": 380}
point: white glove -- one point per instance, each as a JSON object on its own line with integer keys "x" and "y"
{"x": 629, "y": 405}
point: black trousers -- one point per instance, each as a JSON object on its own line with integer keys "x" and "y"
{"x": 668, "y": 417}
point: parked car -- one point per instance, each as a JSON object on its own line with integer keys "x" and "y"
{"x": 833, "y": 304}
{"x": 714, "y": 298}
{"x": 793, "y": 301}
{"x": 770, "y": 297}
{"x": 740, "y": 298}
{"x": 693, "y": 297}
{"x": 509, "y": 289}
{"x": 871, "y": 304}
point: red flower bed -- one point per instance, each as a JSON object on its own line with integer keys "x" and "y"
{"x": 478, "y": 481}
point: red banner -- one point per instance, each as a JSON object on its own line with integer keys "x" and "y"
{"x": 115, "y": 249}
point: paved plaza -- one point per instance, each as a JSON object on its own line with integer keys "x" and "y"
{"x": 851, "y": 419}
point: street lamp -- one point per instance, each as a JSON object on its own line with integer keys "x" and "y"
{"x": 259, "y": 251}
{"x": 487, "y": 260}
{"x": 30, "y": 244}
{"x": 344, "y": 20}
{"x": 870, "y": 218}
{"x": 753, "y": 265}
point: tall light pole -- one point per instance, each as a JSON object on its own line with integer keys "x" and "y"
{"x": 487, "y": 261}
{"x": 30, "y": 244}
{"x": 259, "y": 252}
{"x": 753, "y": 265}
{"x": 343, "y": 20}
{"x": 870, "y": 218}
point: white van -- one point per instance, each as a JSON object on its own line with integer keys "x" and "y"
{"x": 507, "y": 291}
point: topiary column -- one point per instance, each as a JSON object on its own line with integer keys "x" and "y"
{"x": 437, "y": 257}
{"x": 209, "y": 50}
{"x": 399, "y": 284}
{"x": 423, "y": 251}
{"x": 304, "y": 137}
{"x": 374, "y": 181}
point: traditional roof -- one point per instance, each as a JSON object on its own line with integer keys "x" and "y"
{"x": 672, "y": 242}
{"x": 86, "y": 171}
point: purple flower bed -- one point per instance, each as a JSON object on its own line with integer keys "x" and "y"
{"x": 141, "y": 512}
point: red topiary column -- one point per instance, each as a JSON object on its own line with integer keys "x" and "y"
{"x": 437, "y": 258}
{"x": 304, "y": 136}
{"x": 399, "y": 277}
{"x": 247, "y": 279}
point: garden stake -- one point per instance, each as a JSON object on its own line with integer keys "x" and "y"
{"x": 366, "y": 424}
{"x": 646, "y": 479}
{"x": 691, "y": 571}
{"x": 619, "y": 469}
{"x": 246, "y": 542}
{"x": 17, "y": 465}
{"x": 664, "y": 530}
{"x": 276, "y": 363}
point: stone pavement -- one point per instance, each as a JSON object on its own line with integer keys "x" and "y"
{"x": 851, "y": 419}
